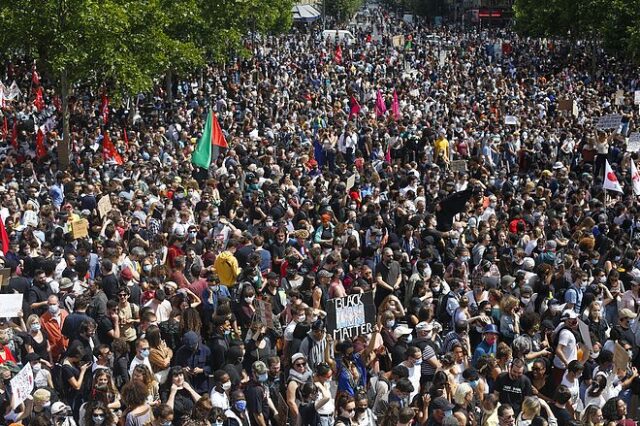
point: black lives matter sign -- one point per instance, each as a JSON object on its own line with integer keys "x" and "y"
{"x": 351, "y": 316}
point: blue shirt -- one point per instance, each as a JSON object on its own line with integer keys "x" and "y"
{"x": 483, "y": 348}
{"x": 345, "y": 382}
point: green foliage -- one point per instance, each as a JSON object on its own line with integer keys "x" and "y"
{"x": 613, "y": 22}
{"x": 342, "y": 10}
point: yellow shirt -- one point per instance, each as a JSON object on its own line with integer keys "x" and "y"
{"x": 441, "y": 148}
{"x": 226, "y": 266}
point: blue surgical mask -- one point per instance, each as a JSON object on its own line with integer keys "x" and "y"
{"x": 241, "y": 405}
{"x": 448, "y": 413}
{"x": 144, "y": 353}
{"x": 465, "y": 258}
{"x": 473, "y": 384}
{"x": 263, "y": 377}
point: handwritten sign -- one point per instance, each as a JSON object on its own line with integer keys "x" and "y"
{"x": 607, "y": 122}
{"x": 620, "y": 357}
{"x": 633, "y": 144}
{"x": 459, "y": 166}
{"x": 511, "y": 119}
{"x": 5, "y": 275}
{"x": 80, "y": 229}
{"x": 619, "y": 99}
{"x": 584, "y": 333}
{"x": 264, "y": 313}
{"x": 22, "y": 385}
{"x": 10, "y": 305}
{"x": 351, "y": 316}
{"x": 636, "y": 97}
{"x": 104, "y": 206}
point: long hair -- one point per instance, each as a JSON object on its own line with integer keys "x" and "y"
{"x": 98, "y": 405}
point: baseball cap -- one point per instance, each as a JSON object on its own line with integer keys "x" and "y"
{"x": 424, "y": 326}
{"x": 626, "y": 313}
{"x": 59, "y": 408}
{"x": 490, "y": 328}
{"x": 259, "y": 367}
{"x": 401, "y": 330}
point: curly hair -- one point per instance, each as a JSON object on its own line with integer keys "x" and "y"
{"x": 190, "y": 321}
{"x": 98, "y": 405}
{"x": 134, "y": 394}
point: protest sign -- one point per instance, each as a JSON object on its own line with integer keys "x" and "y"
{"x": 584, "y": 333}
{"x": 350, "y": 316}
{"x": 80, "y": 228}
{"x": 511, "y": 119}
{"x": 565, "y": 105}
{"x": 10, "y": 305}
{"x": 619, "y": 99}
{"x": 459, "y": 166}
{"x": 5, "y": 274}
{"x": 633, "y": 144}
{"x": 442, "y": 58}
{"x": 283, "y": 410}
{"x": 398, "y": 41}
{"x": 351, "y": 180}
{"x": 264, "y": 313}
{"x": 620, "y": 357}
{"x": 636, "y": 97}
{"x": 611, "y": 121}
{"x": 104, "y": 206}
{"x": 22, "y": 385}
{"x": 575, "y": 111}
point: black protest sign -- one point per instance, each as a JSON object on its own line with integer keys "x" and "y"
{"x": 351, "y": 316}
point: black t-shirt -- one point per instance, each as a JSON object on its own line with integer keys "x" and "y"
{"x": 105, "y": 325}
{"x": 513, "y": 392}
{"x": 257, "y": 401}
{"x": 562, "y": 415}
{"x": 110, "y": 286}
{"x": 308, "y": 414}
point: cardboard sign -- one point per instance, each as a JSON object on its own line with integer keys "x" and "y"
{"x": 584, "y": 333}
{"x": 22, "y": 385}
{"x": 10, "y": 305}
{"x": 565, "y": 105}
{"x": 511, "y": 119}
{"x": 104, "y": 206}
{"x": 351, "y": 180}
{"x": 283, "y": 411}
{"x": 620, "y": 357}
{"x": 607, "y": 122}
{"x": 397, "y": 41}
{"x": 5, "y": 275}
{"x": 575, "y": 111}
{"x": 80, "y": 229}
{"x": 619, "y": 99}
{"x": 636, "y": 97}
{"x": 633, "y": 144}
{"x": 459, "y": 166}
{"x": 351, "y": 316}
{"x": 264, "y": 313}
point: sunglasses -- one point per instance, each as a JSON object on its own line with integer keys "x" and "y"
{"x": 300, "y": 364}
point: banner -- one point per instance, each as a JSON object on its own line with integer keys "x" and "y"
{"x": 611, "y": 121}
{"x": 351, "y": 316}
{"x": 22, "y": 385}
{"x": 633, "y": 144}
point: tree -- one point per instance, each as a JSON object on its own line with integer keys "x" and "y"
{"x": 342, "y": 10}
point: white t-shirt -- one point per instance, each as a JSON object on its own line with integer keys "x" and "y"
{"x": 219, "y": 400}
{"x": 415, "y": 373}
{"x": 574, "y": 387}
{"x": 568, "y": 340}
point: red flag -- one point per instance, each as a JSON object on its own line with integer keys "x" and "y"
{"x": 354, "y": 107}
{"x": 338, "y": 55}
{"x": 126, "y": 138}
{"x": 105, "y": 109}
{"x": 41, "y": 150}
{"x": 14, "y": 133}
{"x": 4, "y": 236}
{"x": 35, "y": 77}
{"x": 5, "y": 129}
{"x": 39, "y": 100}
{"x": 109, "y": 150}
{"x": 217, "y": 137}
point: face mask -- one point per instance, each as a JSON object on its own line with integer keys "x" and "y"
{"x": 302, "y": 318}
{"x": 146, "y": 268}
{"x": 349, "y": 414}
{"x": 630, "y": 353}
{"x": 454, "y": 241}
{"x": 390, "y": 324}
{"x": 473, "y": 384}
{"x": 227, "y": 332}
{"x": 54, "y": 309}
{"x": 436, "y": 289}
{"x": 448, "y": 413}
{"x": 490, "y": 339}
{"x": 417, "y": 362}
{"x": 525, "y": 300}
{"x": 226, "y": 386}
{"x": 144, "y": 353}
{"x": 465, "y": 258}
{"x": 249, "y": 300}
{"x": 263, "y": 377}
{"x": 594, "y": 355}
{"x": 409, "y": 338}
{"x": 192, "y": 234}
{"x": 594, "y": 261}
{"x": 36, "y": 368}
{"x": 241, "y": 405}
{"x": 269, "y": 223}
{"x": 46, "y": 404}
{"x": 218, "y": 423}
{"x": 35, "y": 327}
{"x": 165, "y": 424}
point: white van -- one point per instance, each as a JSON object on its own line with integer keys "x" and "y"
{"x": 343, "y": 36}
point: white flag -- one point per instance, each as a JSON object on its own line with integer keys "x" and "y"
{"x": 610, "y": 179}
{"x": 14, "y": 91}
{"x": 635, "y": 178}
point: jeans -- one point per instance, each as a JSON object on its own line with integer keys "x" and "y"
{"x": 326, "y": 421}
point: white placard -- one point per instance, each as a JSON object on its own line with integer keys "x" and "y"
{"x": 633, "y": 144}
{"x": 636, "y": 97}
{"x": 611, "y": 121}
{"x": 22, "y": 385}
{"x": 619, "y": 99}
{"x": 10, "y": 305}
{"x": 575, "y": 111}
{"x": 511, "y": 119}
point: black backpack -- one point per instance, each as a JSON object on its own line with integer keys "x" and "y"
{"x": 443, "y": 317}
{"x": 57, "y": 377}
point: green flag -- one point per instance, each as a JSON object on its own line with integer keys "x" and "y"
{"x": 201, "y": 156}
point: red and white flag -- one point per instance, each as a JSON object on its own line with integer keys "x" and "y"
{"x": 635, "y": 178}
{"x": 338, "y": 55}
{"x": 610, "y": 179}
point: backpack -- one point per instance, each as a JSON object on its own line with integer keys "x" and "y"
{"x": 57, "y": 377}
{"x": 442, "y": 315}
{"x": 374, "y": 393}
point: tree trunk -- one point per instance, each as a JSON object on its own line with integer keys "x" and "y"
{"x": 63, "y": 144}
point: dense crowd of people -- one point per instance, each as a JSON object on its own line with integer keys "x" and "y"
{"x": 506, "y": 281}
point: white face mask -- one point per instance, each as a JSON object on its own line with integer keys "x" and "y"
{"x": 249, "y": 299}
{"x": 226, "y": 385}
